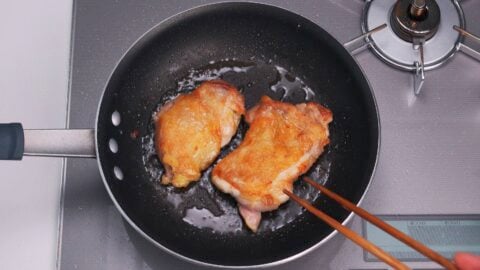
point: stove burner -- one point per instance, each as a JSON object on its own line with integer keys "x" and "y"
{"x": 412, "y": 19}
{"x": 439, "y": 44}
{"x": 416, "y": 38}
{"x": 409, "y": 35}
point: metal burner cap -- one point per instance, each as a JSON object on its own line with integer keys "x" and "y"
{"x": 410, "y": 21}
{"x": 400, "y": 53}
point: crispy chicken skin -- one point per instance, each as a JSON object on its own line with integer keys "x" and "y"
{"x": 191, "y": 130}
{"x": 283, "y": 142}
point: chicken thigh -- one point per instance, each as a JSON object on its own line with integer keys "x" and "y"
{"x": 191, "y": 130}
{"x": 283, "y": 142}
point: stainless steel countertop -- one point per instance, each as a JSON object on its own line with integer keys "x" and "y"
{"x": 429, "y": 152}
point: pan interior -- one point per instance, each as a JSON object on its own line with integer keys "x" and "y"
{"x": 200, "y": 204}
{"x": 261, "y": 50}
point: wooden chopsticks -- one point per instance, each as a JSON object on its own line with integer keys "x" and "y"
{"x": 382, "y": 255}
{"x": 433, "y": 255}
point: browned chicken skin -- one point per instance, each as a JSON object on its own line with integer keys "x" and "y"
{"x": 283, "y": 142}
{"x": 191, "y": 130}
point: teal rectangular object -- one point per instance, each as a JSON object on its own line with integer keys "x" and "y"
{"x": 445, "y": 234}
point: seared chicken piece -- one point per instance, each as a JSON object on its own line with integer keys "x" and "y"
{"x": 191, "y": 130}
{"x": 283, "y": 142}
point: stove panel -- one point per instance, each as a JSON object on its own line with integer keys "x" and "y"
{"x": 429, "y": 151}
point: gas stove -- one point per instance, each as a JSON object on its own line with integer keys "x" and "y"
{"x": 421, "y": 60}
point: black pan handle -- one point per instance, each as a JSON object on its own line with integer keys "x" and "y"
{"x": 11, "y": 141}
{"x": 16, "y": 142}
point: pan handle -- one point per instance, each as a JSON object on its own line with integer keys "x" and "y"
{"x": 11, "y": 141}
{"x": 15, "y": 142}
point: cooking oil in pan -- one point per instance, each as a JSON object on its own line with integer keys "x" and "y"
{"x": 289, "y": 87}
{"x": 200, "y": 204}
{"x": 203, "y": 218}
{"x": 214, "y": 70}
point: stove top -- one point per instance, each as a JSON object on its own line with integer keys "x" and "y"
{"x": 429, "y": 156}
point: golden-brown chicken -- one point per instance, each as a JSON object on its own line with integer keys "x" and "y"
{"x": 191, "y": 130}
{"x": 283, "y": 142}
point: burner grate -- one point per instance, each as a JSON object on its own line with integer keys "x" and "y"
{"x": 407, "y": 38}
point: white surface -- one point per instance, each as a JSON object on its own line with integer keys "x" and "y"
{"x": 34, "y": 66}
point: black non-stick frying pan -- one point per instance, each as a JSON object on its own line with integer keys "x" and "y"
{"x": 263, "y": 50}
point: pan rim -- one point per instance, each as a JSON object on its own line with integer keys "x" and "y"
{"x": 279, "y": 262}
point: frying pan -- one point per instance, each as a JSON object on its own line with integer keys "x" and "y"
{"x": 263, "y": 50}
